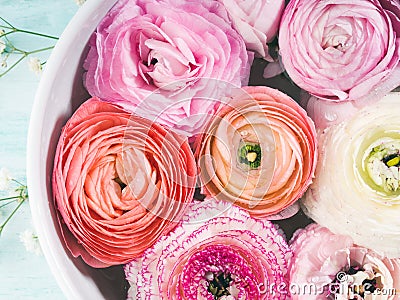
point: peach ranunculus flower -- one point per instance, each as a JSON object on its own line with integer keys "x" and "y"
{"x": 258, "y": 152}
{"x": 330, "y": 266}
{"x": 119, "y": 182}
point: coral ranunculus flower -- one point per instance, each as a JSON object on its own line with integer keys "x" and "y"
{"x": 258, "y": 152}
{"x": 217, "y": 252}
{"x": 119, "y": 182}
{"x": 330, "y": 266}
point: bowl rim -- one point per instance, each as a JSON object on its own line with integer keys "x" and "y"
{"x": 55, "y": 255}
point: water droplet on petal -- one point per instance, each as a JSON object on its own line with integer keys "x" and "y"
{"x": 330, "y": 116}
{"x": 269, "y": 148}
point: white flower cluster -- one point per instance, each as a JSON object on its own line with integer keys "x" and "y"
{"x": 31, "y": 242}
{"x": 5, "y": 178}
{"x": 35, "y": 65}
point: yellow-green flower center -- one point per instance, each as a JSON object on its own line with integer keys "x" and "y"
{"x": 250, "y": 155}
{"x": 383, "y": 166}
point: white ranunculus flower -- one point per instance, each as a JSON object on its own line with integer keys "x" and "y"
{"x": 356, "y": 188}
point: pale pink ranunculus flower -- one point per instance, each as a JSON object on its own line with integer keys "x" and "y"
{"x": 162, "y": 56}
{"x": 257, "y": 21}
{"x": 342, "y": 50}
{"x": 328, "y": 113}
{"x": 325, "y": 265}
{"x": 217, "y": 250}
{"x": 119, "y": 181}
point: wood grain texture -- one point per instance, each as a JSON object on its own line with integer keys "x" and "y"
{"x": 24, "y": 275}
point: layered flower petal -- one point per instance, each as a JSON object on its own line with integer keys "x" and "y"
{"x": 327, "y": 113}
{"x": 340, "y": 50}
{"x": 256, "y": 21}
{"x": 356, "y": 191}
{"x": 119, "y": 182}
{"x": 329, "y": 266}
{"x": 217, "y": 252}
{"x": 161, "y": 55}
{"x": 259, "y": 152}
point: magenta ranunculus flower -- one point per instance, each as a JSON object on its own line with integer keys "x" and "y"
{"x": 257, "y": 21}
{"x": 329, "y": 266}
{"x": 218, "y": 252}
{"x": 342, "y": 50}
{"x": 161, "y": 55}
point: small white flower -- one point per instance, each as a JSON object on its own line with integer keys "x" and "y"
{"x": 80, "y": 2}
{"x": 5, "y": 179}
{"x": 2, "y": 46}
{"x": 35, "y": 65}
{"x": 31, "y": 242}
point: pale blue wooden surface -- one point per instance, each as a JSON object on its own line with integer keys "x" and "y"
{"x": 24, "y": 275}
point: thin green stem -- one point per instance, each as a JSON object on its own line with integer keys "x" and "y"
{"x": 39, "y": 50}
{"x": 23, "y": 55}
{"x": 16, "y": 181}
{"x": 37, "y": 34}
{"x": 13, "y": 30}
{"x": 10, "y": 216}
{"x": 3, "y": 205}
{"x": 6, "y": 33}
{"x": 13, "y": 66}
{"x": 9, "y": 198}
{"x": 8, "y": 23}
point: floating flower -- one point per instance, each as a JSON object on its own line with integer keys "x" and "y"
{"x": 161, "y": 55}
{"x": 340, "y": 50}
{"x": 120, "y": 182}
{"x": 356, "y": 188}
{"x": 256, "y": 21}
{"x": 217, "y": 252}
{"x": 259, "y": 152}
{"x": 329, "y": 266}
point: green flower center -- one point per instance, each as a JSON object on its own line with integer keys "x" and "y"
{"x": 218, "y": 284}
{"x": 383, "y": 165}
{"x": 250, "y": 155}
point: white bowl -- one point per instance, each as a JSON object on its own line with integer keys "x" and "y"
{"x": 60, "y": 92}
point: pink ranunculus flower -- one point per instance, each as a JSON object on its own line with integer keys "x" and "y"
{"x": 217, "y": 252}
{"x": 330, "y": 266}
{"x": 161, "y": 55}
{"x": 257, "y": 21}
{"x": 259, "y": 152}
{"x": 119, "y": 182}
{"x": 342, "y": 50}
